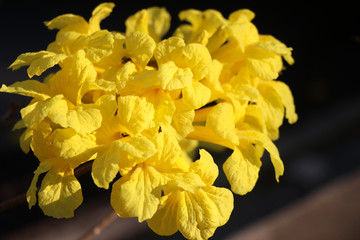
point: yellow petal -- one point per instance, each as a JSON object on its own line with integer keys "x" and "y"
{"x": 164, "y": 221}
{"x": 138, "y": 193}
{"x": 138, "y": 147}
{"x": 212, "y": 79}
{"x": 172, "y": 77}
{"x": 38, "y": 62}
{"x": 182, "y": 120}
{"x": 73, "y": 147}
{"x": 242, "y": 86}
{"x": 159, "y": 22}
{"x": 140, "y": 47}
{"x": 30, "y": 88}
{"x": 124, "y": 74}
{"x": 242, "y": 169}
{"x": 287, "y": 99}
{"x": 264, "y": 64}
{"x": 84, "y": 118}
{"x": 223, "y": 200}
{"x": 221, "y": 120}
{"x": 167, "y": 46}
{"x": 154, "y": 21}
{"x": 75, "y": 78}
{"x": 60, "y": 193}
{"x": 254, "y": 118}
{"x": 41, "y": 143}
{"x": 32, "y": 191}
{"x": 272, "y": 108}
{"x": 241, "y": 16}
{"x": 230, "y": 42}
{"x": 110, "y": 129}
{"x": 137, "y": 22}
{"x": 270, "y": 43}
{"x": 209, "y": 20}
{"x": 196, "y": 95}
{"x": 205, "y": 167}
{"x": 106, "y": 166}
{"x": 118, "y": 52}
{"x": 164, "y": 107}
{"x": 193, "y": 217}
{"x": 55, "y": 108}
{"x": 107, "y": 104}
{"x": 64, "y": 20}
{"x": 141, "y": 82}
{"x": 98, "y": 45}
{"x": 183, "y": 181}
{"x": 168, "y": 150}
{"x": 101, "y": 12}
{"x": 25, "y": 140}
{"x": 263, "y": 140}
{"x": 135, "y": 113}
{"x": 194, "y": 56}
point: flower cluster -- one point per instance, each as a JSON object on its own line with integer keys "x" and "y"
{"x": 136, "y": 104}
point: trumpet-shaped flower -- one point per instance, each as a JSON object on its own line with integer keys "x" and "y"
{"x": 59, "y": 151}
{"x": 60, "y": 99}
{"x": 191, "y": 204}
{"x": 242, "y": 167}
{"x": 121, "y": 135}
{"x": 75, "y": 33}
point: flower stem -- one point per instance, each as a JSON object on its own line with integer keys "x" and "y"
{"x": 12, "y": 202}
{"x": 98, "y": 228}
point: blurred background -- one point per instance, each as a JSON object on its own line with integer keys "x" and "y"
{"x": 319, "y": 195}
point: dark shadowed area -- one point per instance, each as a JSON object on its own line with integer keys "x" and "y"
{"x": 318, "y": 196}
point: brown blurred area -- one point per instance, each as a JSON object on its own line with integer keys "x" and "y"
{"x": 319, "y": 195}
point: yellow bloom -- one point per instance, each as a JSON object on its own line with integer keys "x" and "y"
{"x": 190, "y": 61}
{"x": 154, "y": 21}
{"x": 75, "y": 33}
{"x": 59, "y": 151}
{"x": 191, "y": 204}
{"x": 242, "y": 167}
{"x": 120, "y": 137}
{"x": 138, "y": 105}
{"x": 60, "y": 99}
{"x": 137, "y": 193}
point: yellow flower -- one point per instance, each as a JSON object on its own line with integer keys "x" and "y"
{"x": 138, "y": 105}
{"x": 60, "y": 99}
{"x": 75, "y": 33}
{"x": 137, "y": 193}
{"x": 59, "y": 151}
{"x": 120, "y": 137}
{"x": 179, "y": 63}
{"x": 191, "y": 204}
{"x": 242, "y": 167}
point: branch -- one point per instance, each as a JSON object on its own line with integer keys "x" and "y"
{"x": 98, "y": 228}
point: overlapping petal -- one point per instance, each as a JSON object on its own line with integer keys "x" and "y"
{"x": 137, "y": 194}
{"x": 154, "y": 21}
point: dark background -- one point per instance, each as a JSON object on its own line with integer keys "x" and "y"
{"x": 321, "y": 147}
